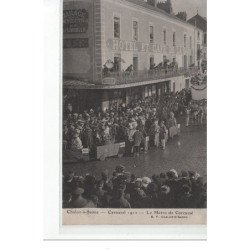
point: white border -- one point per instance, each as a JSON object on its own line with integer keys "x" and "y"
{"x": 52, "y": 169}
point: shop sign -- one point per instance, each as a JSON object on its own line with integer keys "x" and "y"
{"x": 75, "y": 43}
{"x": 122, "y": 45}
{"x": 109, "y": 81}
{"x": 75, "y": 21}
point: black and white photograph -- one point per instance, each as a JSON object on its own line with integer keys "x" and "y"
{"x": 134, "y": 104}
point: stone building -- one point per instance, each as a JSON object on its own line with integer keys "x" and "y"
{"x": 115, "y": 51}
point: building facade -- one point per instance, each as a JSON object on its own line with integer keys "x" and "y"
{"x": 115, "y": 51}
{"x": 201, "y": 23}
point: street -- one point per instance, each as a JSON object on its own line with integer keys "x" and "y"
{"x": 186, "y": 152}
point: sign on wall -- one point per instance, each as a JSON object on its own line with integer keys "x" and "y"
{"x": 75, "y": 21}
{"x": 75, "y": 43}
{"x": 121, "y": 45}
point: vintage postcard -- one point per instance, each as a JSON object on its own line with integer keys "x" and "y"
{"x": 134, "y": 112}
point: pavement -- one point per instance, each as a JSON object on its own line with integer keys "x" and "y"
{"x": 186, "y": 152}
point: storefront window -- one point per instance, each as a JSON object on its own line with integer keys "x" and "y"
{"x": 146, "y": 91}
{"x": 116, "y": 27}
{"x": 149, "y": 91}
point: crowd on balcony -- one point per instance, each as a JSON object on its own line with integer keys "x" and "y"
{"x": 111, "y": 67}
{"x": 125, "y": 190}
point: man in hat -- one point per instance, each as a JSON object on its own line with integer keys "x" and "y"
{"x": 185, "y": 199}
{"x": 119, "y": 201}
{"x": 154, "y": 134}
{"x": 101, "y": 194}
{"x": 77, "y": 199}
{"x": 69, "y": 182}
{"x": 138, "y": 139}
{"x": 165, "y": 198}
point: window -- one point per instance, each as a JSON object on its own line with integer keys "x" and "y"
{"x": 190, "y": 42}
{"x": 191, "y": 60}
{"x": 205, "y": 39}
{"x": 164, "y": 36}
{"x": 198, "y": 51}
{"x": 185, "y": 40}
{"x": 198, "y": 35}
{"x": 173, "y": 38}
{"x": 152, "y": 62}
{"x": 165, "y": 62}
{"x": 117, "y": 62}
{"x": 116, "y": 27}
{"x": 151, "y": 34}
{"x": 150, "y": 91}
{"x": 135, "y": 63}
{"x": 146, "y": 91}
{"x": 135, "y": 30}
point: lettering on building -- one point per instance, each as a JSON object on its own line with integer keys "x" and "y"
{"x": 75, "y": 43}
{"x": 121, "y": 45}
{"x": 75, "y": 21}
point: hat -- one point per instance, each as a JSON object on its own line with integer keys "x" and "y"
{"x": 138, "y": 182}
{"x": 145, "y": 181}
{"x": 120, "y": 168}
{"x": 174, "y": 172}
{"x": 78, "y": 191}
{"x": 184, "y": 173}
{"x": 75, "y": 135}
{"x": 165, "y": 189}
{"x": 186, "y": 188}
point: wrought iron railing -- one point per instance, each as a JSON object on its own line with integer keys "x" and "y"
{"x": 123, "y": 77}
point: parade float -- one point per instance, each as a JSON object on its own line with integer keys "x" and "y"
{"x": 199, "y": 87}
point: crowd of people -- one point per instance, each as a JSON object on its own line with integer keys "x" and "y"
{"x": 152, "y": 119}
{"x": 125, "y": 190}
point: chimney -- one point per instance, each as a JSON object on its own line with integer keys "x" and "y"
{"x": 152, "y": 2}
{"x": 169, "y": 7}
{"x": 166, "y": 6}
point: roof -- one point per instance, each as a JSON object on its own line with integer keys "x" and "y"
{"x": 150, "y": 7}
{"x": 199, "y": 21}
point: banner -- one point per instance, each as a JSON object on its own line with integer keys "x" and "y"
{"x": 199, "y": 92}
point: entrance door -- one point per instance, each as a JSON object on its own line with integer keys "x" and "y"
{"x": 174, "y": 87}
{"x": 168, "y": 87}
{"x": 187, "y": 84}
{"x": 159, "y": 91}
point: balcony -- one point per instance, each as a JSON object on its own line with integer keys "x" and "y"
{"x": 126, "y": 77}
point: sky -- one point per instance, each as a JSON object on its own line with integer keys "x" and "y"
{"x": 190, "y": 6}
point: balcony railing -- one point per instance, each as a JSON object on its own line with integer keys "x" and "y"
{"x": 124, "y": 77}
